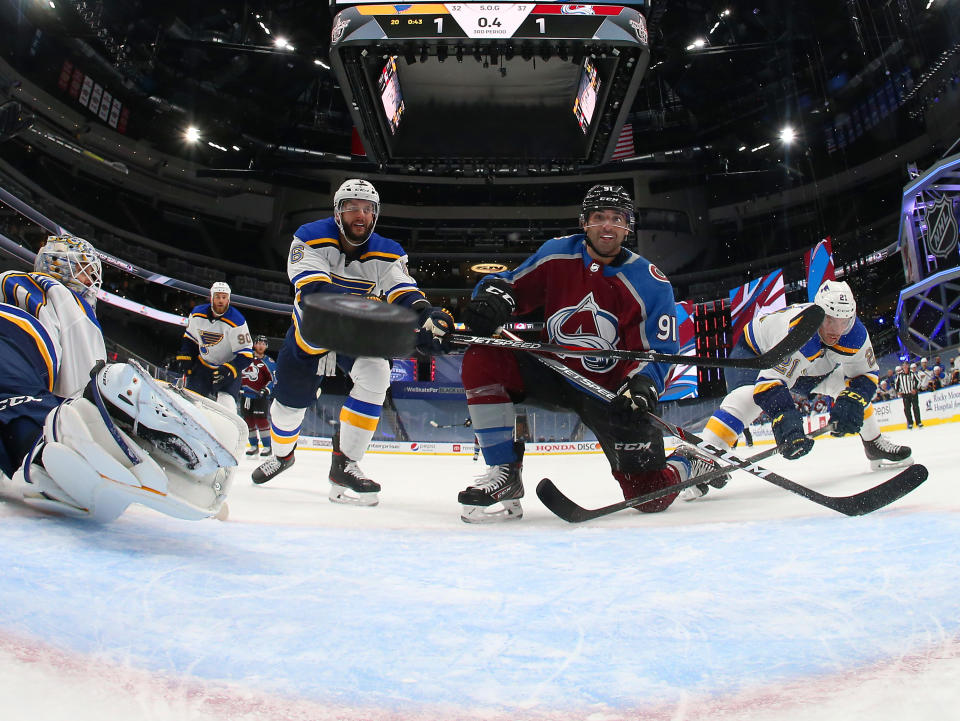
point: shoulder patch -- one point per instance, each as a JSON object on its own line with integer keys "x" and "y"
{"x": 658, "y": 274}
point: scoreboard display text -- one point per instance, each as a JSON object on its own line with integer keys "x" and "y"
{"x": 489, "y": 20}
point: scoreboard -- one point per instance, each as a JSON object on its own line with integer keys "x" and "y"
{"x": 516, "y": 85}
{"x": 491, "y": 20}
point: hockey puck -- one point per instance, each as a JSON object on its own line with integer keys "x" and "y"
{"x": 357, "y": 326}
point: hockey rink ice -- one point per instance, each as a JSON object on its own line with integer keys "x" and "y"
{"x": 751, "y": 603}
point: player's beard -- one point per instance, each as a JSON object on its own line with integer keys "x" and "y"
{"x": 355, "y": 238}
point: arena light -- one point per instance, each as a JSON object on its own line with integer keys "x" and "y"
{"x": 787, "y": 135}
{"x": 192, "y": 134}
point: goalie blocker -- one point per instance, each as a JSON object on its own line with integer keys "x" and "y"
{"x": 130, "y": 439}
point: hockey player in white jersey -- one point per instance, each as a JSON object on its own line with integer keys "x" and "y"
{"x": 74, "y": 455}
{"x": 61, "y": 293}
{"x": 342, "y": 254}
{"x": 838, "y": 361}
{"x": 215, "y": 349}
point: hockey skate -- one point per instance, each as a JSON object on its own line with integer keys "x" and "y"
{"x": 265, "y": 471}
{"x": 252, "y": 451}
{"x": 500, "y": 484}
{"x": 267, "y": 451}
{"x": 883, "y": 453}
{"x": 699, "y": 464}
{"x": 346, "y": 475}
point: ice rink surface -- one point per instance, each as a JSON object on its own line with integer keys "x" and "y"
{"x": 751, "y": 603}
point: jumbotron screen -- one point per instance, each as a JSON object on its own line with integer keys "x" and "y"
{"x": 487, "y": 82}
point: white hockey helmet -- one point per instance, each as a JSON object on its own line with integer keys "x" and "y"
{"x": 71, "y": 261}
{"x": 837, "y": 301}
{"x": 356, "y": 189}
{"x": 219, "y": 287}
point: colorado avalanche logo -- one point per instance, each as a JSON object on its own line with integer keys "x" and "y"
{"x": 339, "y": 26}
{"x": 640, "y": 28}
{"x": 576, "y": 10}
{"x": 587, "y": 325}
{"x": 251, "y": 372}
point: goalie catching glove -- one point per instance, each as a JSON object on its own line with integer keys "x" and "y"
{"x": 126, "y": 440}
{"x": 490, "y": 308}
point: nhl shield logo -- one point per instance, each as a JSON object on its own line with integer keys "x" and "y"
{"x": 942, "y": 228}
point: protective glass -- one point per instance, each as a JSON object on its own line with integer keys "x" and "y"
{"x": 836, "y": 326}
{"x": 365, "y": 209}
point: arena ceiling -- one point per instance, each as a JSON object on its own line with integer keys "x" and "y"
{"x": 723, "y": 76}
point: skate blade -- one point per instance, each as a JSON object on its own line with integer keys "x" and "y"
{"x": 339, "y": 494}
{"x": 885, "y": 465}
{"x": 512, "y": 510}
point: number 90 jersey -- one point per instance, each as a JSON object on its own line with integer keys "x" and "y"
{"x": 219, "y": 340}
{"x": 852, "y": 355}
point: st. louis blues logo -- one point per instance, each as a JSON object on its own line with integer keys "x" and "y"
{"x": 586, "y": 325}
{"x": 208, "y": 339}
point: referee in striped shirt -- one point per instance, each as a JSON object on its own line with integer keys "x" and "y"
{"x": 907, "y": 384}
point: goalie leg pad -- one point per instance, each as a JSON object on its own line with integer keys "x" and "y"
{"x": 172, "y": 425}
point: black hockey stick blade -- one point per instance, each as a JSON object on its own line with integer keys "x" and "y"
{"x": 859, "y": 504}
{"x": 804, "y": 326}
{"x": 561, "y": 506}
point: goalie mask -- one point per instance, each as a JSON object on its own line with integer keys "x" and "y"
{"x": 73, "y": 262}
{"x": 346, "y": 200}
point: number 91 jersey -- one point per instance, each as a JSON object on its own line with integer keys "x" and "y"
{"x": 626, "y": 305}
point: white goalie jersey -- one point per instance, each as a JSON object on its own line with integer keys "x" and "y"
{"x": 74, "y": 332}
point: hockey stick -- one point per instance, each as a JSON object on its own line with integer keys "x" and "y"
{"x": 858, "y": 504}
{"x": 450, "y": 425}
{"x": 804, "y": 326}
{"x": 561, "y": 506}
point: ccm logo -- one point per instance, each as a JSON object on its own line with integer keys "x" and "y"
{"x": 632, "y": 446}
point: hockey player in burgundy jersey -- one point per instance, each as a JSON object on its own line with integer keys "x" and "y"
{"x": 592, "y": 292}
{"x": 256, "y": 385}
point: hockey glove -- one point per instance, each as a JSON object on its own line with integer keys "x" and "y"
{"x": 220, "y": 378}
{"x": 435, "y": 324}
{"x": 789, "y": 435}
{"x": 490, "y": 308}
{"x": 637, "y": 397}
{"x": 264, "y": 392}
{"x": 847, "y": 413}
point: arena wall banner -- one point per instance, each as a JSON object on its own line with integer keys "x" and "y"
{"x": 431, "y": 448}
{"x": 942, "y": 406}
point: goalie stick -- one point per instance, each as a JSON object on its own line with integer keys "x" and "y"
{"x": 804, "y": 326}
{"x": 858, "y": 504}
